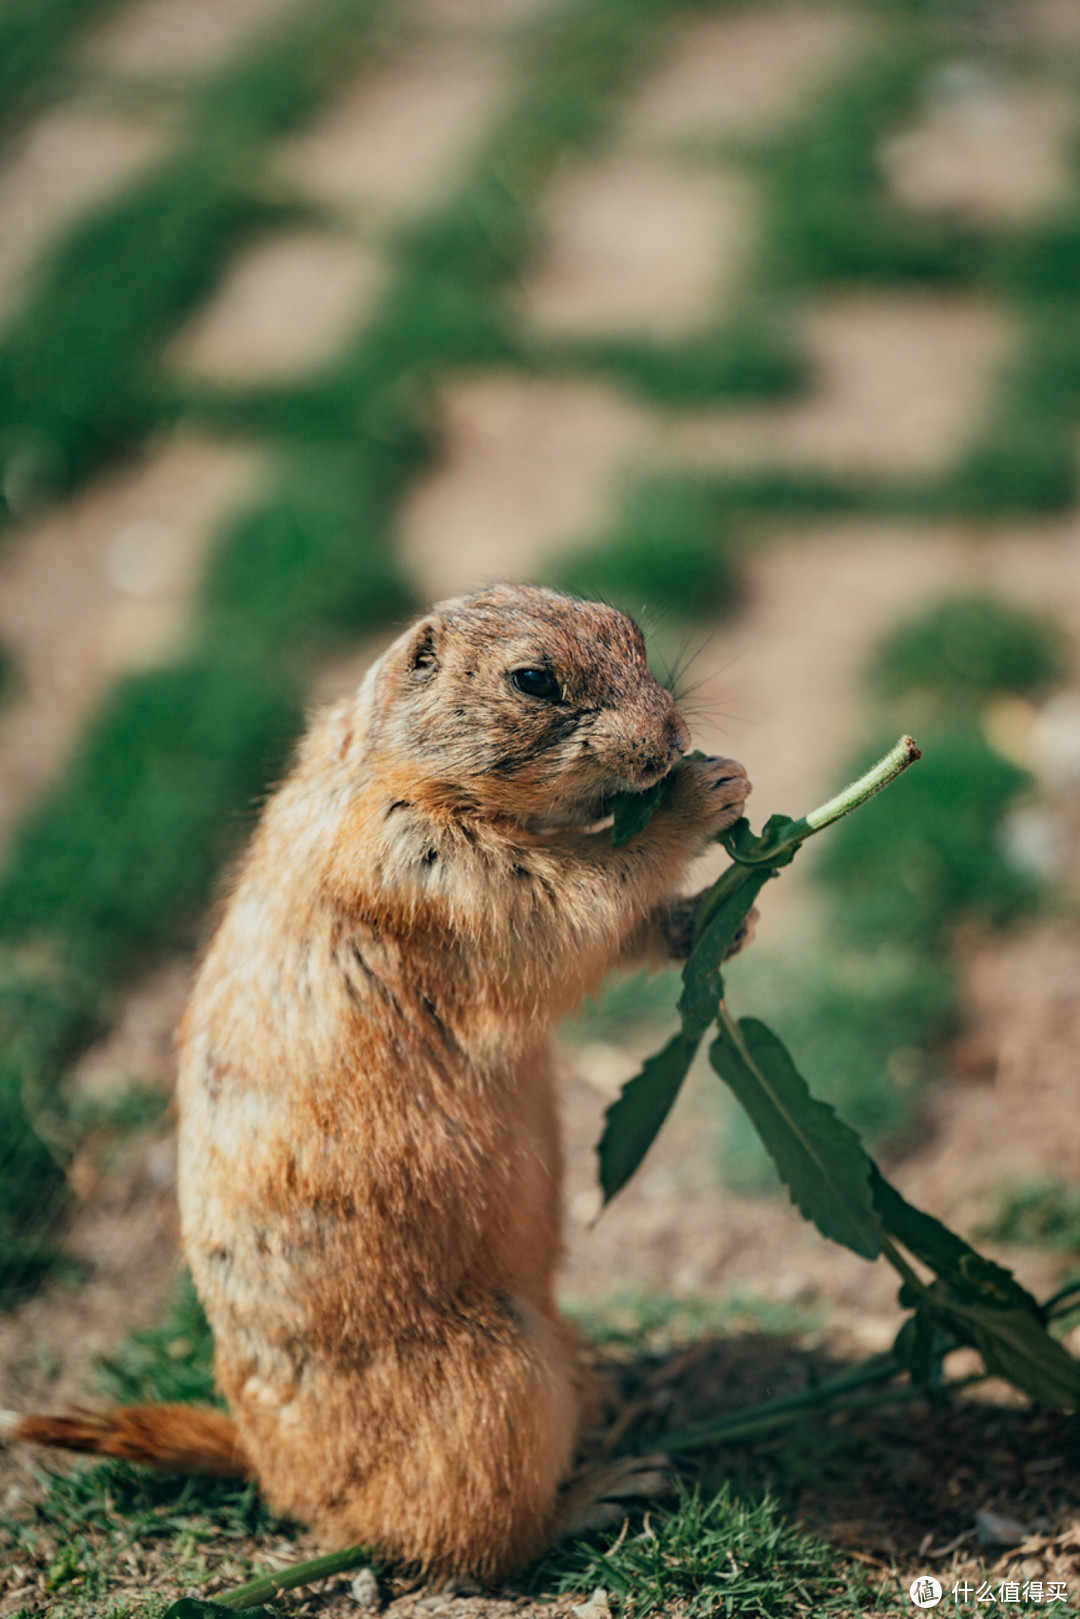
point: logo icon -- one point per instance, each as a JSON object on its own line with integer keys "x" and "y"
{"x": 925, "y": 1592}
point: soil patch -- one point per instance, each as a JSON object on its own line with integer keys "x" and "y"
{"x": 983, "y": 150}
{"x": 898, "y": 386}
{"x": 100, "y": 586}
{"x": 284, "y": 306}
{"x": 168, "y": 38}
{"x": 741, "y": 72}
{"x": 63, "y": 164}
{"x": 399, "y": 134}
{"x": 634, "y": 244}
{"x": 527, "y": 465}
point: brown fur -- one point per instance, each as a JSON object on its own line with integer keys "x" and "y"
{"x": 369, "y": 1151}
{"x": 175, "y": 1438}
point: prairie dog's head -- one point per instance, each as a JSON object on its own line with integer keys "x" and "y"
{"x": 525, "y": 703}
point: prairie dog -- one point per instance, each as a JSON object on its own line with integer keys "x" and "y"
{"x": 369, "y": 1150}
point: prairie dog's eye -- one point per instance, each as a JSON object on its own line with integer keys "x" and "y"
{"x": 535, "y": 682}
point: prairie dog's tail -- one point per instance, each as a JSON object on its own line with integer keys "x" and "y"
{"x": 172, "y": 1438}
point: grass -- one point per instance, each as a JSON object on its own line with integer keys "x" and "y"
{"x": 37, "y": 40}
{"x": 927, "y": 855}
{"x": 92, "y": 1522}
{"x": 655, "y": 1323}
{"x": 78, "y": 364}
{"x": 715, "y": 1554}
{"x": 968, "y": 649}
{"x": 1039, "y": 1215}
{"x": 672, "y": 550}
{"x": 678, "y": 540}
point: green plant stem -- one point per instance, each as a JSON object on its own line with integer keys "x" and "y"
{"x": 1064, "y": 1300}
{"x": 777, "y": 853}
{"x": 878, "y": 776}
{"x": 777, "y": 1414}
{"x": 268, "y": 1586}
{"x": 789, "y": 1408}
{"x": 899, "y": 1264}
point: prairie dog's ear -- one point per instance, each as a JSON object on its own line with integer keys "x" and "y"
{"x": 422, "y": 651}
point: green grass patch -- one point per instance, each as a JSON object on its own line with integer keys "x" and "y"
{"x": 627, "y": 1001}
{"x": 967, "y": 649}
{"x": 173, "y": 1361}
{"x": 119, "y": 859}
{"x": 751, "y": 358}
{"x": 717, "y": 1554}
{"x": 1036, "y": 1215}
{"x": 37, "y": 40}
{"x": 829, "y": 217}
{"x": 650, "y": 1324}
{"x": 90, "y": 1521}
{"x": 928, "y": 853}
{"x": 670, "y": 551}
{"x": 678, "y": 540}
{"x": 78, "y": 383}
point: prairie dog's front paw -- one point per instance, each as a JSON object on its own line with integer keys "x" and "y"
{"x": 676, "y": 920}
{"x": 711, "y": 793}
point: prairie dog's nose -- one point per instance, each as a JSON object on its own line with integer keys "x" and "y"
{"x": 673, "y": 743}
{"x": 678, "y": 738}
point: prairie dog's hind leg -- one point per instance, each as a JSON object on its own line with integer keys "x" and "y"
{"x": 604, "y": 1496}
{"x": 446, "y": 1451}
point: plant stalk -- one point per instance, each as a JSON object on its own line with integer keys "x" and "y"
{"x": 1065, "y": 1299}
{"x": 878, "y": 776}
{"x": 268, "y": 1586}
{"x": 789, "y": 1408}
{"x": 743, "y": 870}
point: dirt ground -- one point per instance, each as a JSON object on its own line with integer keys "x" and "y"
{"x": 528, "y": 468}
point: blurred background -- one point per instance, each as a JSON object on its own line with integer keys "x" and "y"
{"x": 758, "y": 317}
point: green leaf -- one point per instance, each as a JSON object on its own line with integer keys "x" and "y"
{"x": 634, "y": 811}
{"x": 821, "y": 1161}
{"x": 633, "y": 1119}
{"x": 955, "y": 1261}
{"x": 982, "y": 1303}
{"x": 703, "y": 985}
{"x": 772, "y": 846}
{"x": 1015, "y": 1345}
{"x": 919, "y": 1345}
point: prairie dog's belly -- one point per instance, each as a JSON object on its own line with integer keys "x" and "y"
{"x": 370, "y": 1194}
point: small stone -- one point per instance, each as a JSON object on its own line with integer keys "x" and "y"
{"x": 365, "y": 1590}
{"x": 998, "y": 1529}
{"x": 597, "y": 1606}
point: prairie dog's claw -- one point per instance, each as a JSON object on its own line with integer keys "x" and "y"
{"x": 677, "y": 927}
{"x": 712, "y": 792}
